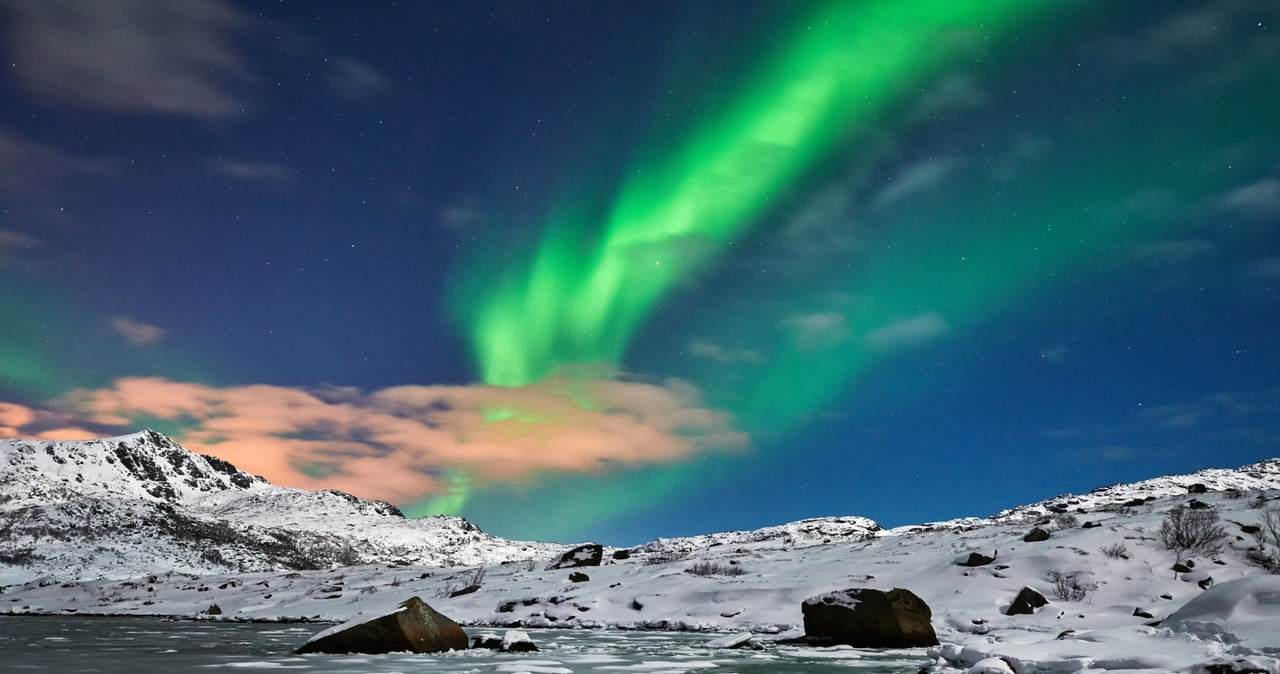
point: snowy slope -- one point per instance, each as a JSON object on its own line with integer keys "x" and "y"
{"x": 129, "y": 506}
{"x": 758, "y": 581}
{"x": 814, "y": 531}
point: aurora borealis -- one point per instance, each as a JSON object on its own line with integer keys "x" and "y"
{"x": 845, "y": 64}
{"x": 753, "y": 263}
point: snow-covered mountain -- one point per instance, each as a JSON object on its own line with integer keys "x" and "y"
{"x": 813, "y": 531}
{"x": 128, "y": 506}
{"x": 74, "y": 524}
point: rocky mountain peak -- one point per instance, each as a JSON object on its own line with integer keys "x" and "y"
{"x": 147, "y": 465}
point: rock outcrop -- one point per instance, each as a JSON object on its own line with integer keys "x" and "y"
{"x": 414, "y": 627}
{"x": 869, "y": 618}
{"x": 514, "y": 641}
{"x": 1036, "y": 535}
{"x": 977, "y": 559}
{"x": 583, "y": 555}
{"x": 1026, "y": 603}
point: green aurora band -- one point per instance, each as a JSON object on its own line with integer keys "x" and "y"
{"x": 588, "y": 288}
{"x": 983, "y": 242}
{"x": 846, "y": 64}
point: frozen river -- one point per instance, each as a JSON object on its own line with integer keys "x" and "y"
{"x": 70, "y": 645}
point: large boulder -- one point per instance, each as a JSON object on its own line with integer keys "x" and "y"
{"x": 583, "y": 555}
{"x": 977, "y": 559}
{"x": 516, "y": 641}
{"x": 1036, "y": 535}
{"x": 414, "y": 627}
{"x": 867, "y": 618}
{"x": 1026, "y": 603}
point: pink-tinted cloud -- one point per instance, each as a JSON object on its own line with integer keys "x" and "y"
{"x": 394, "y": 444}
{"x": 22, "y": 421}
{"x": 137, "y": 333}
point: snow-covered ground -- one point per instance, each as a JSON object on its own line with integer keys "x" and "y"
{"x": 1130, "y": 609}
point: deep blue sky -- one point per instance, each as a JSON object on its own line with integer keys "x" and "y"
{"x": 1044, "y": 256}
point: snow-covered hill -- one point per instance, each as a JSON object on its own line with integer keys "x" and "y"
{"x": 1107, "y": 575}
{"x": 129, "y": 506}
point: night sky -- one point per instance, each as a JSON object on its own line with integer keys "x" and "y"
{"x": 612, "y": 271}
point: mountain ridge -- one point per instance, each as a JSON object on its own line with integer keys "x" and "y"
{"x": 127, "y": 505}
{"x": 143, "y": 487}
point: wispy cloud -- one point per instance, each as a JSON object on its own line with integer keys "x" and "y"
{"x": 722, "y": 354}
{"x": 1199, "y": 28}
{"x": 1238, "y": 416}
{"x": 1213, "y": 42}
{"x": 1055, "y": 354}
{"x": 395, "y": 443}
{"x": 130, "y": 55}
{"x": 916, "y": 180}
{"x": 15, "y": 245}
{"x": 909, "y": 332}
{"x": 27, "y": 167}
{"x": 137, "y": 333}
{"x": 1104, "y": 453}
{"x": 1260, "y": 199}
{"x": 250, "y": 170}
{"x": 817, "y": 330}
{"x": 1266, "y": 268}
{"x": 1174, "y": 251}
{"x": 27, "y": 422}
{"x": 356, "y": 80}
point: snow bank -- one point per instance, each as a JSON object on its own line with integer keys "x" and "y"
{"x": 1244, "y": 613}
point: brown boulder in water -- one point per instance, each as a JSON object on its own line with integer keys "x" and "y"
{"x": 868, "y": 618}
{"x": 415, "y": 627}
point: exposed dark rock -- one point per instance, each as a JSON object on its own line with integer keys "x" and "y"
{"x": 622, "y": 554}
{"x": 868, "y": 618}
{"x": 636, "y": 605}
{"x": 1206, "y": 583}
{"x": 1234, "y": 667}
{"x": 1139, "y": 613}
{"x": 1184, "y": 567}
{"x": 1250, "y": 528}
{"x": 977, "y": 559}
{"x": 1134, "y": 503}
{"x": 1026, "y": 603}
{"x": 1036, "y": 535}
{"x": 470, "y": 589}
{"x": 515, "y": 641}
{"x": 578, "y": 577}
{"x": 213, "y": 609}
{"x": 487, "y": 640}
{"x": 1197, "y": 488}
{"x": 1197, "y": 504}
{"x": 416, "y": 628}
{"x": 388, "y": 509}
{"x": 237, "y": 478}
{"x": 1089, "y": 525}
{"x": 583, "y": 555}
